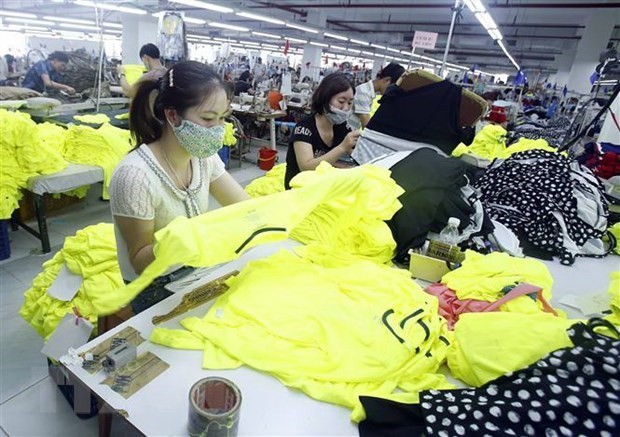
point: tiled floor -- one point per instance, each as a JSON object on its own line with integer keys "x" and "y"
{"x": 30, "y": 404}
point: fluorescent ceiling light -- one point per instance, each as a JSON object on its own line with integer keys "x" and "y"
{"x": 331, "y": 46}
{"x": 29, "y": 21}
{"x": 195, "y": 35}
{"x": 249, "y": 42}
{"x": 486, "y": 20}
{"x": 501, "y": 44}
{"x": 269, "y": 46}
{"x": 110, "y": 7}
{"x": 301, "y": 41}
{"x": 78, "y": 26}
{"x": 225, "y": 39}
{"x": 114, "y": 25}
{"x": 25, "y": 27}
{"x": 189, "y": 20}
{"x": 260, "y": 18}
{"x": 203, "y": 5}
{"x": 357, "y": 52}
{"x": 299, "y": 27}
{"x": 267, "y": 35}
{"x": 367, "y": 53}
{"x": 331, "y": 35}
{"x": 69, "y": 20}
{"x": 229, "y": 26}
{"x": 318, "y": 44}
{"x": 495, "y": 34}
{"x": 378, "y": 46}
{"x": 390, "y": 49}
{"x": 357, "y": 41}
{"x": 16, "y": 14}
{"x": 475, "y": 5}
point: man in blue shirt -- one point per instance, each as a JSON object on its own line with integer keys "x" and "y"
{"x": 47, "y": 74}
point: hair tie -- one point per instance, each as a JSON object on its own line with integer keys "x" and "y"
{"x": 171, "y": 78}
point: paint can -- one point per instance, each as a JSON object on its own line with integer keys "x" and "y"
{"x": 214, "y": 407}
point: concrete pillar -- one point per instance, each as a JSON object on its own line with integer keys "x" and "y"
{"x": 596, "y": 35}
{"x": 137, "y": 31}
{"x": 311, "y": 58}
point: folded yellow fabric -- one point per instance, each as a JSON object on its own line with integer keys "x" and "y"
{"x": 91, "y": 254}
{"x": 272, "y": 182}
{"x": 229, "y": 135}
{"x": 483, "y": 277}
{"x": 332, "y": 325}
{"x": 485, "y": 346}
{"x": 224, "y": 234}
{"x": 92, "y": 118}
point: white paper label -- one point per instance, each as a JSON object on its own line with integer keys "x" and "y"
{"x": 71, "y": 332}
{"x": 66, "y": 285}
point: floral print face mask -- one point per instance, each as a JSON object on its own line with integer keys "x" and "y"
{"x": 199, "y": 141}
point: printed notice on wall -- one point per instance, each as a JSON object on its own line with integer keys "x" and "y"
{"x": 424, "y": 40}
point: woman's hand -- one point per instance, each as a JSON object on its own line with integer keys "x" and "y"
{"x": 349, "y": 142}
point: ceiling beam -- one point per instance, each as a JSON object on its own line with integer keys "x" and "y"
{"x": 435, "y": 5}
{"x": 447, "y": 24}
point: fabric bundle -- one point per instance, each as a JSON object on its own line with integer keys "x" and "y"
{"x": 26, "y": 152}
{"x": 549, "y": 201}
{"x": 334, "y": 326}
{"x": 552, "y": 131}
{"x": 272, "y": 182}
{"x": 90, "y": 254}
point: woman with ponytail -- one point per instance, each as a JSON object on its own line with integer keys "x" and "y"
{"x": 178, "y": 124}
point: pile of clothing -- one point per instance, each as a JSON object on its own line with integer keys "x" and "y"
{"x": 552, "y": 131}
{"x": 272, "y": 182}
{"x": 554, "y": 205}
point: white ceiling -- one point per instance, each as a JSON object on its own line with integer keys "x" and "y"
{"x": 536, "y": 32}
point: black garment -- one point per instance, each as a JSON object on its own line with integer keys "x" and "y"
{"x": 156, "y": 291}
{"x": 241, "y": 87}
{"x": 432, "y": 185}
{"x": 533, "y": 194}
{"x": 429, "y": 114}
{"x": 572, "y": 391}
{"x": 307, "y": 131}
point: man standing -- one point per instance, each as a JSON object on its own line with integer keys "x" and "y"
{"x": 259, "y": 71}
{"x": 47, "y": 74}
{"x": 149, "y": 55}
{"x": 366, "y": 92}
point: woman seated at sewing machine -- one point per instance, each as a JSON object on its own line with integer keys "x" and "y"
{"x": 324, "y": 135}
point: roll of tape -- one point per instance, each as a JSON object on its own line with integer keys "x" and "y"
{"x": 214, "y": 405}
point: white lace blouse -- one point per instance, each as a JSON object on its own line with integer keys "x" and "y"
{"x": 141, "y": 189}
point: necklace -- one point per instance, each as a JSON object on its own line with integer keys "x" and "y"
{"x": 183, "y": 186}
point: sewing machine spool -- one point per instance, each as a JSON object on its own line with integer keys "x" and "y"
{"x": 214, "y": 405}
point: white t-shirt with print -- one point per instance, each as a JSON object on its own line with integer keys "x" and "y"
{"x": 142, "y": 189}
{"x": 362, "y": 103}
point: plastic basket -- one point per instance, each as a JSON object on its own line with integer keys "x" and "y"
{"x": 5, "y": 247}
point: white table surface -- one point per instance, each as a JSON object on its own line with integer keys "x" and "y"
{"x": 268, "y": 407}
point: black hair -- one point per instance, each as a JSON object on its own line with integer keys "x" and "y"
{"x": 245, "y": 76}
{"x": 184, "y": 85}
{"x": 58, "y": 56}
{"x": 149, "y": 50}
{"x": 229, "y": 86}
{"x": 331, "y": 85}
{"x": 392, "y": 70}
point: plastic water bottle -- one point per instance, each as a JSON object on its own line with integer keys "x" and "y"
{"x": 450, "y": 234}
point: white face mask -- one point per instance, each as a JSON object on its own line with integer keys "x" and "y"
{"x": 337, "y": 116}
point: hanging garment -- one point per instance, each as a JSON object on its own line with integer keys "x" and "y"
{"x": 272, "y": 182}
{"x": 429, "y": 114}
{"x": 433, "y": 188}
{"x": 90, "y": 254}
{"x": 224, "y": 234}
{"x": 26, "y": 151}
{"x": 555, "y": 205}
{"x": 572, "y": 392}
{"x": 332, "y": 325}
{"x": 483, "y": 277}
{"x": 450, "y": 307}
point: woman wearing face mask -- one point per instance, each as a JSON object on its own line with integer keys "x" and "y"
{"x": 178, "y": 124}
{"x": 325, "y": 135}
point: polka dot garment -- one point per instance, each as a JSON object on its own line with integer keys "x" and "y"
{"x": 571, "y": 392}
{"x": 534, "y": 194}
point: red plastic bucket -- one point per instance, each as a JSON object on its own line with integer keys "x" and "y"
{"x": 267, "y": 158}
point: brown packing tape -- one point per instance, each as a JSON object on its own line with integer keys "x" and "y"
{"x": 136, "y": 374}
{"x": 214, "y": 408}
{"x": 99, "y": 352}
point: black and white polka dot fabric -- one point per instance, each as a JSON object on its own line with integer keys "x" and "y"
{"x": 552, "y": 131}
{"x": 571, "y": 392}
{"x": 555, "y": 203}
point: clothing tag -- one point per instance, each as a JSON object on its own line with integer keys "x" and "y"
{"x": 588, "y": 305}
{"x": 71, "y": 332}
{"x": 65, "y": 286}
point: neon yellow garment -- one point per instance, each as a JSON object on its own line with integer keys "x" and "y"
{"x": 53, "y": 135}
{"x": 483, "y": 277}
{"x": 103, "y": 147}
{"x": 485, "y": 346}
{"x": 123, "y": 116}
{"x": 490, "y": 143}
{"x": 23, "y": 153}
{"x": 229, "y": 135}
{"x": 614, "y": 295}
{"x": 91, "y": 253}
{"x": 360, "y": 231}
{"x": 224, "y": 234}
{"x": 92, "y": 118}
{"x": 615, "y": 231}
{"x": 334, "y": 326}
{"x": 272, "y": 182}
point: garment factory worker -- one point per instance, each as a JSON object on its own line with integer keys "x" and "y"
{"x": 365, "y": 93}
{"x": 259, "y": 71}
{"x": 48, "y": 74}
{"x": 178, "y": 124}
{"x": 243, "y": 84}
{"x": 149, "y": 55}
{"x": 325, "y": 135}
